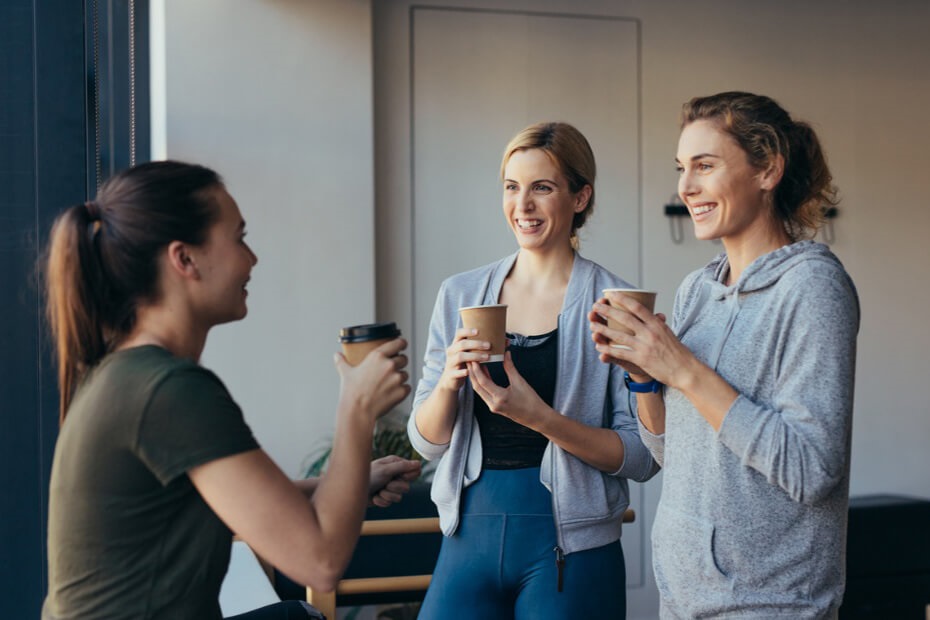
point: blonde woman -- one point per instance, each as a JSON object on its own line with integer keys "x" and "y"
{"x": 534, "y": 452}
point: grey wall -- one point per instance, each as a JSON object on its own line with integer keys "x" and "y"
{"x": 276, "y": 95}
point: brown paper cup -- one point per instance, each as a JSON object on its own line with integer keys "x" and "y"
{"x": 359, "y": 340}
{"x": 647, "y": 298}
{"x": 491, "y": 323}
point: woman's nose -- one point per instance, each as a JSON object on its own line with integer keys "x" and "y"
{"x": 686, "y": 185}
{"x": 525, "y": 202}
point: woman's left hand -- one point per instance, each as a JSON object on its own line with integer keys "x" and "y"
{"x": 519, "y": 401}
{"x": 654, "y": 350}
{"x": 390, "y": 479}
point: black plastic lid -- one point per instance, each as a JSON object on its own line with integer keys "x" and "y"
{"x": 372, "y": 331}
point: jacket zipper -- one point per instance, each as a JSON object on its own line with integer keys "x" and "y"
{"x": 559, "y": 554}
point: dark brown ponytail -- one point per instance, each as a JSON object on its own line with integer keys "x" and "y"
{"x": 102, "y": 258}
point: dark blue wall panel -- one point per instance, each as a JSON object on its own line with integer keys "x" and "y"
{"x": 43, "y": 149}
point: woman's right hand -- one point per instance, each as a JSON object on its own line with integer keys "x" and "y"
{"x": 464, "y": 348}
{"x": 648, "y": 347}
{"x": 601, "y": 335}
{"x": 378, "y": 383}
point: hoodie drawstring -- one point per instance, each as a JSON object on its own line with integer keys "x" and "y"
{"x": 721, "y": 340}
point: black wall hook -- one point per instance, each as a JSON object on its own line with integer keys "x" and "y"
{"x": 675, "y": 212}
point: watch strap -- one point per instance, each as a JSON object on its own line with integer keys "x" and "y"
{"x": 640, "y": 388}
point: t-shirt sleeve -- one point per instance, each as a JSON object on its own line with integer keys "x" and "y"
{"x": 190, "y": 419}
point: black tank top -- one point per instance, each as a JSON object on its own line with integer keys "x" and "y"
{"x": 506, "y": 444}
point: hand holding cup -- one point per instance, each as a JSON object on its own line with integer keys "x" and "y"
{"x": 617, "y": 335}
{"x": 360, "y": 340}
{"x": 491, "y": 324}
{"x": 372, "y": 368}
{"x": 482, "y": 339}
{"x": 615, "y": 299}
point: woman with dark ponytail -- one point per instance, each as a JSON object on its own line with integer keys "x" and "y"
{"x": 746, "y": 398}
{"x": 155, "y": 466}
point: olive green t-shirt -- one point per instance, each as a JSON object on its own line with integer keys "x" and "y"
{"x": 129, "y": 536}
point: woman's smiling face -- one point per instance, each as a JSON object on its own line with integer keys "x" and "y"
{"x": 538, "y": 203}
{"x": 725, "y": 194}
{"x": 225, "y": 263}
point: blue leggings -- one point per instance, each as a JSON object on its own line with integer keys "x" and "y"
{"x": 501, "y": 563}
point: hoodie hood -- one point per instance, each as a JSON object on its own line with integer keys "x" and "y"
{"x": 762, "y": 273}
{"x": 769, "y": 268}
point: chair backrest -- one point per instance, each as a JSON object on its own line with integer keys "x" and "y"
{"x": 394, "y": 558}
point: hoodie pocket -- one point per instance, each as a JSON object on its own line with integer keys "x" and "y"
{"x": 683, "y": 554}
{"x": 581, "y": 496}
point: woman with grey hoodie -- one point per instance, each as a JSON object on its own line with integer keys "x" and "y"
{"x": 746, "y": 399}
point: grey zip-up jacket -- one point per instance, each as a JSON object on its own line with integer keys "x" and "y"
{"x": 587, "y": 504}
{"x": 752, "y": 519}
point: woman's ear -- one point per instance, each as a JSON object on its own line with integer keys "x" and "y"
{"x": 181, "y": 261}
{"x": 582, "y": 198}
{"x": 771, "y": 176}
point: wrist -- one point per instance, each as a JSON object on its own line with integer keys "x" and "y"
{"x": 641, "y": 387}
{"x": 358, "y": 414}
{"x": 448, "y": 386}
{"x": 687, "y": 376}
{"x": 637, "y": 377}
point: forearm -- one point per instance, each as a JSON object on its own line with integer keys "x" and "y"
{"x": 650, "y": 406}
{"x": 435, "y": 417}
{"x": 600, "y": 448}
{"x": 341, "y": 495}
{"x": 258, "y": 502}
{"x": 710, "y": 394}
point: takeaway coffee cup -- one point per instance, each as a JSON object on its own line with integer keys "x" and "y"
{"x": 647, "y": 298}
{"x": 491, "y": 323}
{"x": 358, "y": 340}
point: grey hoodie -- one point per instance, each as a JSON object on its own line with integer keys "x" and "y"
{"x": 752, "y": 519}
{"x": 587, "y": 505}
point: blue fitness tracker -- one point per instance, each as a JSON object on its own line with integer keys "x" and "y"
{"x": 647, "y": 387}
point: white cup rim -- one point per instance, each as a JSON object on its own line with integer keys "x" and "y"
{"x": 627, "y": 290}
{"x": 483, "y": 306}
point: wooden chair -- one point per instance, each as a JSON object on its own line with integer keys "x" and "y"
{"x": 382, "y": 589}
{"x": 393, "y": 560}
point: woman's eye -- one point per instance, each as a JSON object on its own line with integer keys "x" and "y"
{"x": 704, "y": 166}
{"x": 680, "y": 169}
{"x": 542, "y": 188}
{"x": 510, "y": 187}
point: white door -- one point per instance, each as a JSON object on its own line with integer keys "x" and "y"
{"x": 477, "y": 79}
{"x": 452, "y": 86}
